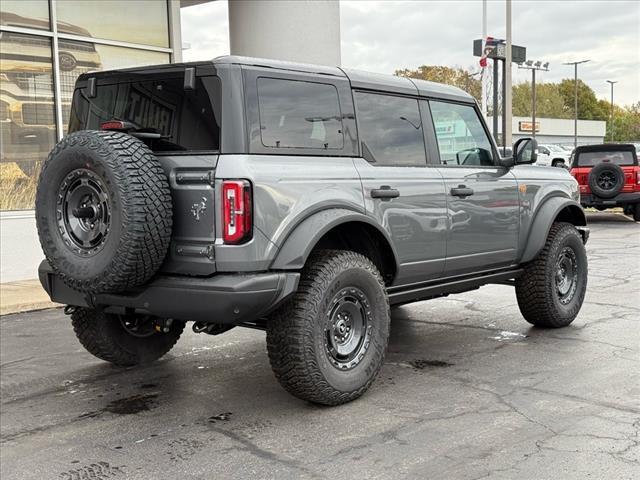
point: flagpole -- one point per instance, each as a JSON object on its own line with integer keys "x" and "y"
{"x": 483, "y": 77}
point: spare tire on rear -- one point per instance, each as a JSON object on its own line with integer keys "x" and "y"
{"x": 606, "y": 179}
{"x": 103, "y": 211}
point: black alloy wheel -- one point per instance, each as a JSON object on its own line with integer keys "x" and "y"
{"x": 606, "y": 180}
{"x": 348, "y": 328}
{"x": 566, "y": 275}
{"x": 83, "y": 211}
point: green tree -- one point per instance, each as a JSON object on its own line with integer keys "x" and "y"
{"x": 458, "y": 77}
{"x": 589, "y": 107}
{"x": 549, "y": 101}
{"x": 626, "y": 123}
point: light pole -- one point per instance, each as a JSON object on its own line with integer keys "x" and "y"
{"x": 530, "y": 65}
{"x": 506, "y": 92}
{"x": 612, "y": 82}
{"x": 575, "y": 108}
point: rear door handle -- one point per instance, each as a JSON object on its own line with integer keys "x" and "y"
{"x": 462, "y": 191}
{"x": 385, "y": 191}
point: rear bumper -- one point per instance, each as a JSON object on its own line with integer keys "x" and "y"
{"x": 589, "y": 200}
{"x": 227, "y": 299}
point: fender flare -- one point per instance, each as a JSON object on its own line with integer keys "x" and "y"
{"x": 298, "y": 245}
{"x": 542, "y": 221}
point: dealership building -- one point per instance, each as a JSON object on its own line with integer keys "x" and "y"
{"x": 46, "y": 44}
{"x": 559, "y": 131}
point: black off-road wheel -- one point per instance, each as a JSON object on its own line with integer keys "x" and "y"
{"x": 123, "y": 340}
{"x": 552, "y": 288}
{"x": 103, "y": 211}
{"x": 606, "y": 180}
{"x": 636, "y": 212}
{"x": 327, "y": 343}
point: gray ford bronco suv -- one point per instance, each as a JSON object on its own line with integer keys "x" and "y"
{"x": 299, "y": 199}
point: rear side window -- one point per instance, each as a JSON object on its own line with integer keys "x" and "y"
{"x": 186, "y": 119}
{"x": 589, "y": 159}
{"x": 298, "y": 114}
{"x": 390, "y": 130}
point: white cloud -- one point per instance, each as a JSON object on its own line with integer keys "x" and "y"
{"x": 383, "y": 36}
{"x": 205, "y": 31}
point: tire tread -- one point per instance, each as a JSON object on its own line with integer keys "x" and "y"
{"x": 534, "y": 288}
{"x": 290, "y": 332}
{"x": 146, "y": 208}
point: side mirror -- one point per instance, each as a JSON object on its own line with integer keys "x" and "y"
{"x": 525, "y": 151}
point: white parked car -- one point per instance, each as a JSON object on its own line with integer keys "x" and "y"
{"x": 552, "y": 155}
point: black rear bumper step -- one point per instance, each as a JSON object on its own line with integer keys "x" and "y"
{"x": 623, "y": 198}
{"x": 222, "y": 298}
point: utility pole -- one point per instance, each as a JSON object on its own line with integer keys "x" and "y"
{"x": 575, "y": 108}
{"x": 495, "y": 100}
{"x": 530, "y": 65}
{"x": 507, "y": 83}
{"x": 483, "y": 78}
{"x": 612, "y": 82}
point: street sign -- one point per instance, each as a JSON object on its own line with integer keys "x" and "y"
{"x": 518, "y": 53}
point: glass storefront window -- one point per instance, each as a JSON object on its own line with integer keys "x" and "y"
{"x": 116, "y": 20}
{"x": 81, "y": 57}
{"x": 27, "y": 98}
{"x": 25, "y": 13}
{"x": 27, "y": 120}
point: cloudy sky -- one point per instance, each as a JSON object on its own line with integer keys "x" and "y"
{"x": 382, "y": 36}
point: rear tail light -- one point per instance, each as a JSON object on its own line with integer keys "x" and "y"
{"x": 113, "y": 125}
{"x": 638, "y": 175}
{"x": 237, "y": 215}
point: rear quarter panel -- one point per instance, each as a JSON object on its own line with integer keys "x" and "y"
{"x": 286, "y": 190}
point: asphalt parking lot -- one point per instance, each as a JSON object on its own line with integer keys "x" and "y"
{"x": 469, "y": 390}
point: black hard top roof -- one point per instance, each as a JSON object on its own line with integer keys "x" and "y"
{"x": 606, "y": 147}
{"x": 358, "y": 79}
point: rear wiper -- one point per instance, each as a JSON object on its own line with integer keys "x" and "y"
{"x": 153, "y": 135}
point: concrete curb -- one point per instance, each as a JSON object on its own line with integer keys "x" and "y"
{"x": 23, "y": 296}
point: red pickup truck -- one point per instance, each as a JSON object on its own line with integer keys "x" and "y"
{"x": 609, "y": 176}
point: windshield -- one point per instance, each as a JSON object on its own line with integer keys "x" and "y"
{"x": 184, "y": 119}
{"x": 589, "y": 159}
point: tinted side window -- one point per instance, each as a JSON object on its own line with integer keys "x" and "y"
{"x": 461, "y": 138}
{"x": 297, "y": 114}
{"x": 390, "y": 130}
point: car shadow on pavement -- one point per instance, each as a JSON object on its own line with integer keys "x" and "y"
{"x": 607, "y": 217}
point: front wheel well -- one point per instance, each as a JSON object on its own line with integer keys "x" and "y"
{"x": 572, "y": 214}
{"x": 365, "y": 239}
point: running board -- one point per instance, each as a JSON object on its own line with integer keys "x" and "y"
{"x": 432, "y": 290}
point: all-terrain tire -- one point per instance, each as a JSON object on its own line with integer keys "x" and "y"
{"x": 539, "y": 291}
{"x": 132, "y": 210}
{"x": 636, "y": 212}
{"x": 104, "y": 336}
{"x": 297, "y": 340}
